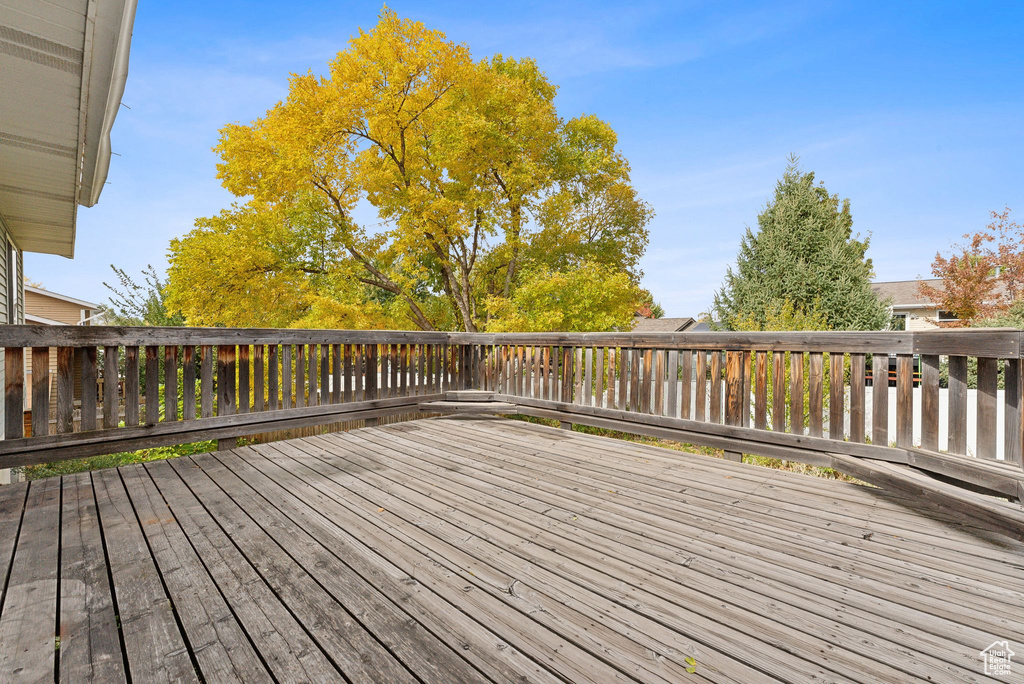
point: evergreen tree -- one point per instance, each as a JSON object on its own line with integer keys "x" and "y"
{"x": 803, "y": 254}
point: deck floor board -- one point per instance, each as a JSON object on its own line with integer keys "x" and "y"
{"x": 462, "y": 549}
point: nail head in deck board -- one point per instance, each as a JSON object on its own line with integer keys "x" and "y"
{"x": 988, "y": 388}
{"x": 880, "y": 399}
{"x": 66, "y": 388}
{"x": 836, "y": 396}
{"x": 154, "y": 647}
{"x": 188, "y": 383}
{"x": 90, "y": 648}
{"x": 206, "y": 381}
{"x": 858, "y": 382}
{"x": 930, "y": 402}
{"x": 170, "y": 383}
{"x": 41, "y": 391}
{"x": 28, "y": 622}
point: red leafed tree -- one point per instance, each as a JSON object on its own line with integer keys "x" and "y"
{"x": 983, "y": 276}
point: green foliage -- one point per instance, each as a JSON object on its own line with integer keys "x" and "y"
{"x": 78, "y": 465}
{"x": 803, "y": 252}
{"x": 591, "y": 297}
{"x": 139, "y": 303}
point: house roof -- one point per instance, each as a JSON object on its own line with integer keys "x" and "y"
{"x": 642, "y": 324}
{"x": 904, "y": 292}
{"x": 64, "y": 65}
{"x": 65, "y": 298}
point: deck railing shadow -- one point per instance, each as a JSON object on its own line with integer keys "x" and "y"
{"x": 791, "y": 395}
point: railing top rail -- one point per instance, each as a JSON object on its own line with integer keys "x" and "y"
{"x": 988, "y": 342}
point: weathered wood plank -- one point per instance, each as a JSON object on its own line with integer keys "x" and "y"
{"x": 188, "y": 383}
{"x": 761, "y": 390}
{"x": 87, "y": 363}
{"x": 796, "y": 393}
{"x": 905, "y": 400}
{"x": 259, "y": 395}
{"x": 28, "y": 622}
{"x": 700, "y": 405}
{"x": 14, "y": 393}
{"x": 226, "y": 401}
{"x": 300, "y": 375}
{"x": 880, "y": 399}
{"x": 286, "y": 376}
{"x": 152, "y": 387}
{"x": 778, "y": 391}
{"x": 66, "y": 388}
{"x": 672, "y": 405}
{"x": 957, "y": 419}
{"x": 244, "y": 390}
{"x": 716, "y": 387}
{"x": 90, "y": 648}
{"x": 836, "y": 396}
{"x": 340, "y": 371}
{"x": 1013, "y": 405}
{"x": 858, "y": 384}
{"x": 206, "y": 381}
{"x": 686, "y": 380}
{"x": 815, "y": 394}
{"x": 273, "y": 387}
{"x": 155, "y": 649}
{"x": 170, "y": 383}
{"x": 930, "y": 402}
{"x": 988, "y": 387}
{"x": 41, "y": 390}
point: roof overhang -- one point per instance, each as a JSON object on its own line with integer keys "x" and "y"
{"x": 64, "y": 66}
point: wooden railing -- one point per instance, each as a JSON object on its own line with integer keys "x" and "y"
{"x": 794, "y": 396}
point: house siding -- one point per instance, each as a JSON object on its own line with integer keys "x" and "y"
{"x": 5, "y": 237}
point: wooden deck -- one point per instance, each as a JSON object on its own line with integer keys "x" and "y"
{"x": 484, "y": 549}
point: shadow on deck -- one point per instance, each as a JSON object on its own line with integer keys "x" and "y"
{"x": 454, "y": 549}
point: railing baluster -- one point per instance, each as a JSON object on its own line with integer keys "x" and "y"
{"x": 779, "y": 391}
{"x": 905, "y": 400}
{"x": 857, "y": 397}
{"x": 701, "y": 392}
{"x": 836, "y": 396}
{"x": 686, "y": 384}
{"x": 672, "y": 403}
{"x": 880, "y": 399}
{"x": 815, "y": 394}
{"x": 716, "y": 386}
{"x": 226, "y": 403}
{"x": 111, "y": 414}
{"x": 243, "y": 378}
{"x": 659, "y": 382}
{"x": 14, "y": 392}
{"x": 796, "y": 393}
{"x": 1013, "y": 384}
{"x": 300, "y": 375}
{"x": 286, "y": 376}
{"x": 930, "y": 402}
{"x": 87, "y": 360}
{"x": 313, "y": 376}
{"x": 152, "y": 387}
{"x": 325, "y": 374}
{"x": 259, "y": 397}
{"x": 41, "y": 391}
{"x": 131, "y": 386}
{"x": 646, "y": 381}
{"x": 66, "y": 389}
{"x": 188, "y": 382}
{"x": 635, "y": 372}
{"x": 341, "y": 368}
{"x": 170, "y": 383}
{"x": 761, "y": 390}
{"x": 988, "y": 383}
{"x": 735, "y": 388}
{"x": 206, "y": 381}
{"x": 273, "y": 380}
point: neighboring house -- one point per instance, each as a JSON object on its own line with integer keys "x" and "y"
{"x": 64, "y": 65}
{"x": 911, "y": 311}
{"x": 43, "y": 307}
{"x": 643, "y": 324}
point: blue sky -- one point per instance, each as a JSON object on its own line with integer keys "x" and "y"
{"x": 912, "y": 110}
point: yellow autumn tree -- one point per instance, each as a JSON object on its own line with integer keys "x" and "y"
{"x": 470, "y": 169}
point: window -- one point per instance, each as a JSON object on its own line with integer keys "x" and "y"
{"x": 899, "y": 322}
{"x": 12, "y": 283}
{"x": 947, "y": 317}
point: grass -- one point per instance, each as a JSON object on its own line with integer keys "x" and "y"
{"x": 78, "y": 465}
{"x": 774, "y": 463}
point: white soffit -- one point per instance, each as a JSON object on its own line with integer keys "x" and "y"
{"x": 63, "y": 65}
